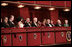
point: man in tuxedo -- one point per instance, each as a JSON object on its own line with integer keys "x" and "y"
{"x": 27, "y": 23}
{"x": 59, "y": 23}
{"x": 5, "y": 23}
{"x": 10, "y": 22}
{"x": 35, "y": 24}
{"x": 52, "y": 23}
{"x": 48, "y": 24}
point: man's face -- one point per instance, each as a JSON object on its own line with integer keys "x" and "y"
{"x": 51, "y": 22}
{"x": 48, "y": 20}
{"x": 12, "y": 18}
{"x": 59, "y": 22}
{"x": 28, "y": 20}
{"x": 66, "y": 21}
{"x": 6, "y": 19}
{"x": 35, "y": 19}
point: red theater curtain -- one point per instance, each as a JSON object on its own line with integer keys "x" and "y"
{"x": 24, "y": 12}
{"x": 13, "y": 11}
{"x": 40, "y": 14}
{"x": 3, "y": 12}
{"x": 7, "y": 11}
{"x": 54, "y": 15}
{"x": 64, "y": 15}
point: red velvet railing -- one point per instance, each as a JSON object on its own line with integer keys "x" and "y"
{"x": 34, "y": 36}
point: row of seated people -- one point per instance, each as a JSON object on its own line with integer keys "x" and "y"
{"x": 8, "y": 23}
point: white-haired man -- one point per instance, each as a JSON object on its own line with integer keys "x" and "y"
{"x": 35, "y": 24}
{"x": 59, "y": 23}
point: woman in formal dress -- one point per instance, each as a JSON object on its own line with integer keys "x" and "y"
{"x": 39, "y": 24}
{"x": 20, "y": 24}
{"x": 44, "y": 22}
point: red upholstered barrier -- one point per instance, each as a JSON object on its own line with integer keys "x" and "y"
{"x": 19, "y": 39}
{"x": 48, "y": 38}
{"x": 34, "y": 36}
{"x": 34, "y": 39}
{"x": 6, "y": 40}
{"x": 5, "y": 30}
{"x": 61, "y": 37}
{"x": 18, "y": 30}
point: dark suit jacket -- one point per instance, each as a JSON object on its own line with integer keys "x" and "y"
{"x": 5, "y": 25}
{"x": 33, "y": 25}
{"x": 48, "y": 25}
{"x": 58, "y": 25}
{"x": 26, "y": 25}
{"x": 1, "y": 25}
{"x": 52, "y": 25}
{"x": 10, "y": 24}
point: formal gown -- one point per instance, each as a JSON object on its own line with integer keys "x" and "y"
{"x": 21, "y": 25}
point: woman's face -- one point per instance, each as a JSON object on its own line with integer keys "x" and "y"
{"x": 39, "y": 22}
{"x": 44, "y": 19}
{"x": 21, "y": 19}
{"x": 51, "y": 22}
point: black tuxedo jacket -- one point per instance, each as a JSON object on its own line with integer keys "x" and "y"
{"x": 1, "y": 25}
{"x": 48, "y": 25}
{"x": 52, "y": 25}
{"x": 10, "y": 24}
{"x": 4, "y": 25}
{"x": 33, "y": 25}
{"x": 58, "y": 25}
{"x": 26, "y": 25}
